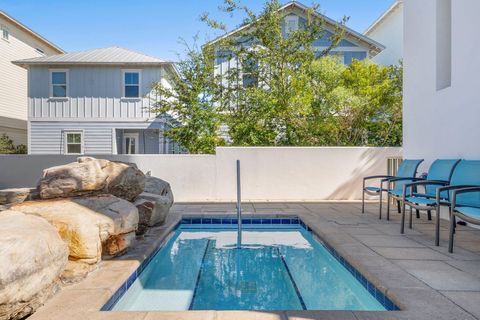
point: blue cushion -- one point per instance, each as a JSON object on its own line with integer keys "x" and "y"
{"x": 422, "y": 201}
{"x": 396, "y": 192}
{"x": 467, "y": 172}
{"x": 469, "y": 211}
{"x": 440, "y": 170}
{"x": 374, "y": 189}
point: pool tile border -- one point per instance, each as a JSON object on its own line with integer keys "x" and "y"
{"x": 386, "y": 302}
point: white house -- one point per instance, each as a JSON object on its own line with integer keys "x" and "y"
{"x": 388, "y": 30}
{"x": 96, "y": 102}
{"x": 17, "y": 42}
{"x": 354, "y": 45}
{"x": 441, "y": 84}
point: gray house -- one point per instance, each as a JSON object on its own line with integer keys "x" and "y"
{"x": 354, "y": 45}
{"x": 96, "y": 102}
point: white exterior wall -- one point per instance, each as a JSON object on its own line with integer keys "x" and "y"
{"x": 13, "y": 79}
{"x": 389, "y": 32}
{"x": 441, "y": 123}
{"x": 268, "y": 174}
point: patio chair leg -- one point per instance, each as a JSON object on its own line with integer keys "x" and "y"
{"x": 410, "y": 220}
{"x": 429, "y": 215}
{"x": 398, "y": 207}
{"x": 363, "y": 198}
{"x": 388, "y": 206}
{"x": 380, "y": 209}
{"x": 450, "y": 239}
{"x": 418, "y": 213}
{"x": 437, "y": 227}
{"x": 402, "y": 223}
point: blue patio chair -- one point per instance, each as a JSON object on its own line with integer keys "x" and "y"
{"x": 406, "y": 172}
{"x": 439, "y": 175}
{"x": 465, "y": 201}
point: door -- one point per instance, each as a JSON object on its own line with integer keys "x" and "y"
{"x": 130, "y": 143}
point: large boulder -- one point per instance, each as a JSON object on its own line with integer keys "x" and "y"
{"x": 92, "y": 176}
{"x": 158, "y": 186}
{"x": 73, "y": 179}
{"x": 91, "y": 225}
{"x": 152, "y": 210}
{"x": 16, "y": 195}
{"x": 124, "y": 180}
{"x": 32, "y": 256}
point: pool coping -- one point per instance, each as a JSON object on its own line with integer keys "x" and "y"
{"x": 84, "y": 300}
{"x": 294, "y": 221}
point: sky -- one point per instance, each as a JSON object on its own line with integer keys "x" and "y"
{"x": 154, "y": 27}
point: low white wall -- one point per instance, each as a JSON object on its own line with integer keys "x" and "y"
{"x": 268, "y": 174}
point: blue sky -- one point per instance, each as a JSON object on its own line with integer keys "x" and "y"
{"x": 152, "y": 26}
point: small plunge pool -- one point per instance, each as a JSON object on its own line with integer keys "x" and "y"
{"x": 282, "y": 266}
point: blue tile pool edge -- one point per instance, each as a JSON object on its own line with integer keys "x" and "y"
{"x": 381, "y": 297}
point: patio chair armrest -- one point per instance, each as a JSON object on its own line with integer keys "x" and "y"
{"x": 405, "y": 179}
{"x": 427, "y": 183}
{"x": 462, "y": 190}
{"x": 450, "y": 188}
{"x": 377, "y": 177}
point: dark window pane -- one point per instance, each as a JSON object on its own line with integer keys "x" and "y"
{"x": 59, "y": 78}
{"x": 59, "y": 91}
{"x": 131, "y": 78}
{"x": 132, "y": 92}
{"x": 74, "y": 148}
{"x": 74, "y": 138}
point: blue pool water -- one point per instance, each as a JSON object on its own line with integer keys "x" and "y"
{"x": 278, "y": 268}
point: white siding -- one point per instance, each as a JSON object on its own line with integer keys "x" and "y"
{"x": 95, "y": 93}
{"x": 47, "y": 137}
{"x": 13, "y": 79}
{"x": 389, "y": 32}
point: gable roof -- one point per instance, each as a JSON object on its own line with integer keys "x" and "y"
{"x": 374, "y": 46}
{"x": 103, "y": 56}
{"x": 28, "y": 30}
{"x": 396, "y": 5}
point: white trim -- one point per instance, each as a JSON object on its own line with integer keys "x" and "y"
{"x": 383, "y": 17}
{"x": 130, "y": 135}
{"x": 65, "y": 132}
{"x": 50, "y": 84}
{"x": 139, "y": 71}
{"x": 114, "y": 141}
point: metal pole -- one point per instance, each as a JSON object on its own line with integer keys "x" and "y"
{"x": 239, "y": 208}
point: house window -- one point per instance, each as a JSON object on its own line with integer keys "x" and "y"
{"x": 58, "y": 83}
{"x": 130, "y": 143}
{"x": 291, "y": 24}
{"x": 5, "y": 33}
{"x": 74, "y": 142}
{"x": 131, "y": 83}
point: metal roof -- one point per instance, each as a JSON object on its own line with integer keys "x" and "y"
{"x": 27, "y": 29}
{"x": 375, "y": 46}
{"x": 103, "y": 56}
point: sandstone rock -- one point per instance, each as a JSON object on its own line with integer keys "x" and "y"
{"x": 153, "y": 210}
{"x": 158, "y": 186}
{"x": 88, "y": 223}
{"x": 76, "y": 271}
{"x": 73, "y": 179}
{"x": 124, "y": 180}
{"x": 32, "y": 256}
{"x": 16, "y": 195}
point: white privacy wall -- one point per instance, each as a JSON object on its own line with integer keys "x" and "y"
{"x": 268, "y": 174}
{"x": 441, "y": 123}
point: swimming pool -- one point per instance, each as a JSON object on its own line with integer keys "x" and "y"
{"x": 281, "y": 266}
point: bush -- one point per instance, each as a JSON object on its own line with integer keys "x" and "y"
{"x": 8, "y": 147}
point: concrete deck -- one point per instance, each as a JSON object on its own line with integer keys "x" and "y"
{"x": 425, "y": 281}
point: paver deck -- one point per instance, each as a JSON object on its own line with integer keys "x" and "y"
{"x": 424, "y": 280}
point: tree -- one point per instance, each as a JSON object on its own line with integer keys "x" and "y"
{"x": 190, "y": 100}
{"x": 265, "y": 95}
{"x": 8, "y": 147}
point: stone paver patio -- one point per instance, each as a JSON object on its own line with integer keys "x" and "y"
{"x": 425, "y": 281}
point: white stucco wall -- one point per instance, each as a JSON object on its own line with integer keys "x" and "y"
{"x": 441, "y": 123}
{"x": 268, "y": 174}
{"x": 389, "y": 32}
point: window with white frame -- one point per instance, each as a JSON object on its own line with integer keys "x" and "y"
{"x": 291, "y": 23}
{"x": 5, "y": 33}
{"x": 130, "y": 143}
{"x": 58, "y": 83}
{"x": 131, "y": 83}
{"x": 73, "y": 142}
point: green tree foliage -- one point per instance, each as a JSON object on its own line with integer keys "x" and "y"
{"x": 189, "y": 100}
{"x": 8, "y": 147}
{"x": 281, "y": 91}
